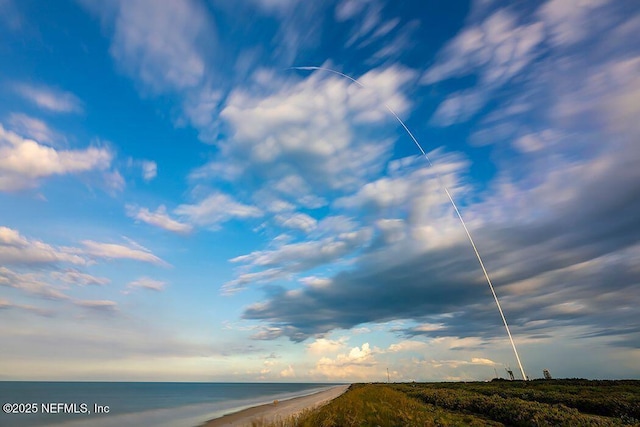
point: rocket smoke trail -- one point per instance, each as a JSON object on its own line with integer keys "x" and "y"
{"x": 455, "y": 207}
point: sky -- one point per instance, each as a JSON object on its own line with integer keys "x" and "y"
{"x": 178, "y": 203}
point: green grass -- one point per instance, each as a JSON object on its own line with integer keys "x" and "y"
{"x": 383, "y": 406}
{"x": 512, "y": 403}
{"x": 618, "y": 399}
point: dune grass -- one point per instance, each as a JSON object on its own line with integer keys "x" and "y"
{"x": 377, "y": 405}
{"x": 512, "y": 403}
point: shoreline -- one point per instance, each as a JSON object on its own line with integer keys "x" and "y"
{"x": 270, "y": 412}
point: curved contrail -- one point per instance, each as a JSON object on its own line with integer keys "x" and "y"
{"x": 446, "y": 190}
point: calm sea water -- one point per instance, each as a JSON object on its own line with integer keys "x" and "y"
{"x": 137, "y": 404}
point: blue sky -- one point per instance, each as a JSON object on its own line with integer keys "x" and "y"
{"x": 177, "y": 203}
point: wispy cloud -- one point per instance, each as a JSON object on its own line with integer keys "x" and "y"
{"x": 75, "y": 277}
{"x": 162, "y": 60}
{"x": 117, "y": 251}
{"x": 23, "y": 162}
{"x": 570, "y": 22}
{"x": 215, "y": 209}
{"x": 8, "y": 305}
{"x": 296, "y": 257}
{"x": 50, "y": 99}
{"x": 100, "y": 306}
{"x": 30, "y": 283}
{"x": 306, "y": 255}
{"x": 32, "y": 128}
{"x": 19, "y": 250}
{"x": 146, "y": 283}
{"x": 495, "y": 50}
{"x": 159, "y": 218}
{"x": 15, "y": 249}
{"x": 149, "y": 170}
{"x": 296, "y": 221}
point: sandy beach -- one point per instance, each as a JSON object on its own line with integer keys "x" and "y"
{"x": 272, "y": 412}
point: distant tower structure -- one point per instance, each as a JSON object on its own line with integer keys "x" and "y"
{"x": 547, "y": 374}
{"x": 510, "y": 372}
{"x": 388, "y": 381}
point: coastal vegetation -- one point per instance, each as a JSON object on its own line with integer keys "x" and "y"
{"x": 499, "y": 402}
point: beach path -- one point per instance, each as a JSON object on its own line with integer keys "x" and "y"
{"x": 275, "y": 412}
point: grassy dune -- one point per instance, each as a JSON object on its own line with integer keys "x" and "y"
{"x": 535, "y": 403}
{"x": 378, "y": 405}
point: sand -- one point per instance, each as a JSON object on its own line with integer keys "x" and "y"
{"x": 273, "y": 413}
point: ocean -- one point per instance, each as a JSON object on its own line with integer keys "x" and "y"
{"x": 117, "y": 404}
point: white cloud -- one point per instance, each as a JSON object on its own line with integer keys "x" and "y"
{"x": 6, "y": 304}
{"x": 215, "y": 209}
{"x": 570, "y": 21}
{"x": 584, "y": 42}
{"x": 243, "y": 279}
{"x": 482, "y": 361}
{"x": 358, "y": 363}
{"x": 11, "y": 237}
{"x": 295, "y": 188}
{"x": 296, "y": 221}
{"x": 299, "y": 140}
{"x": 50, "y": 99}
{"x": 23, "y": 161}
{"x": 201, "y": 110}
{"x": 163, "y": 60}
{"x": 412, "y": 189}
{"x": 299, "y": 257}
{"x": 31, "y": 284}
{"x": 159, "y": 218}
{"x": 622, "y": 106}
{"x": 370, "y": 17}
{"x": 348, "y": 9}
{"x": 408, "y": 346}
{"x": 533, "y": 142}
{"x": 496, "y": 50}
{"x": 113, "y": 181}
{"x": 429, "y": 327}
{"x": 288, "y": 372}
{"x": 17, "y": 249}
{"x": 277, "y": 205}
{"x": 293, "y": 147}
{"x": 402, "y": 41}
{"x": 382, "y": 86}
{"x": 335, "y": 224}
{"x": 115, "y": 251}
{"x": 358, "y": 354}
{"x": 75, "y": 277}
{"x": 313, "y": 281}
{"x": 267, "y": 333}
{"x": 324, "y": 346}
{"x": 459, "y": 107}
{"x": 221, "y": 170}
{"x": 147, "y": 283}
{"x": 149, "y": 170}
{"x": 32, "y": 128}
